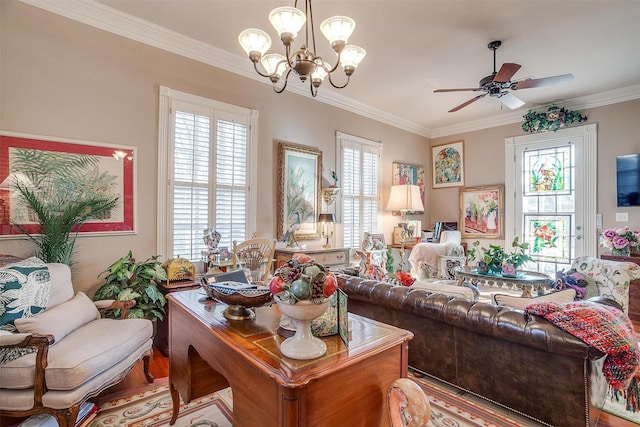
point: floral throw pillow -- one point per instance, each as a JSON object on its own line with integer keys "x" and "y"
{"x": 611, "y": 277}
{"x": 24, "y": 291}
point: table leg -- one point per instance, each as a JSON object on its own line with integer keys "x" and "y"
{"x": 526, "y": 293}
{"x": 175, "y": 404}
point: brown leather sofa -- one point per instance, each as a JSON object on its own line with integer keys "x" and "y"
{"x": 523, "y": 363}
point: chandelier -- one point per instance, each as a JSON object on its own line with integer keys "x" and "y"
{"x": 288, "y": 21}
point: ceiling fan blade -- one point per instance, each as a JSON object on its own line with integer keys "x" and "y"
{"x": 544, "y": 81}
{"x": 507, "y": 71}
{"x": 511, "y": 100}
{"x": 453, "y": 110}
{"x": 458, "y": 90}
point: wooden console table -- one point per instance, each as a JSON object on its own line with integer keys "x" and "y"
{"x": 346, "y": 386}
{"x": 332, "y": 257}
{"x": 634, "y": 286}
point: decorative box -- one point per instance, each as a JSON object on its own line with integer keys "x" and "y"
{"x": 179, "y": 269}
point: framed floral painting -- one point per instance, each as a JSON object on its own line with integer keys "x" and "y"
{"x": 447, "y": 165}
{"x": 482, "y": 212}
{"x": 299, "y": 181}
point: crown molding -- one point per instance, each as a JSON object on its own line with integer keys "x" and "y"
{"x": 114, "y": 21}
{"x": 108, "y": 19}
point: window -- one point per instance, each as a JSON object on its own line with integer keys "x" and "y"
{"x": 359, "y": 171}
{"x": 206, "y": 173}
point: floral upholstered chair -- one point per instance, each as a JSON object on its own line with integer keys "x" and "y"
{"x": 609, "y": 278}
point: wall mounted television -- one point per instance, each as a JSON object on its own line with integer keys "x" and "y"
{"x": 628, "y": 179}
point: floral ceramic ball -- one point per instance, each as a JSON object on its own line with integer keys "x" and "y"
{"x": 302, "y": 279}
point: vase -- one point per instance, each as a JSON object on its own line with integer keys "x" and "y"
{"x": 626, "y": 251}
{"x": 303, "y": 345}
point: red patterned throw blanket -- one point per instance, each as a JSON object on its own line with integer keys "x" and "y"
{"x": 606, "y": 329}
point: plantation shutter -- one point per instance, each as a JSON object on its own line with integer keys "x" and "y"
{"x": 206, "y": 167}
{"x": 360, "y": 170}
{"x": 190, "y": 183}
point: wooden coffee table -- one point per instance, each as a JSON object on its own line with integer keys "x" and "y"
{"x": 346, "y": 386}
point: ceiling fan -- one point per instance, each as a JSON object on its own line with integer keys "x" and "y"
{"x": 497, "y": 83}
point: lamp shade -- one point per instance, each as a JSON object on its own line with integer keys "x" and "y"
{"x": 405, "y": 198}
{"x": 326, "y": 217}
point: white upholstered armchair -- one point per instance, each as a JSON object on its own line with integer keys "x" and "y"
{"x": 55, "y": 350}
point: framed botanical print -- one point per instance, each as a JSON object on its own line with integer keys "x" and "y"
{"x": 299, "y": 181}
{"x": 447, "y": 165}
{"x": 482, "y": 212}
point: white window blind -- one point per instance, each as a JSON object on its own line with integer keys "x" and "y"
{"x": 206, "y": 154}
{"x": 360, "y": 197}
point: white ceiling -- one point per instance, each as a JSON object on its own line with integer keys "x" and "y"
{"x": 413, "y": 47}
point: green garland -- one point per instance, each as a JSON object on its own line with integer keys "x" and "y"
{"x": 553, "y": 119}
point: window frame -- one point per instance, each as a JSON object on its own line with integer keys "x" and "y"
{"x": 167, "y": 99}
{"x": 343, "y": 139}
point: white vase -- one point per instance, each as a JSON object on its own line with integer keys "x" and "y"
{"x": 303, "y": 345}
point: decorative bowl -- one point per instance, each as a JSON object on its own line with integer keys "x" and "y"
{"x": 239, "y": 302}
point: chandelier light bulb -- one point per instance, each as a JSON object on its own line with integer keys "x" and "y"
{"x": 255, "y": 42}
{"x": 338, "y": 29}
{"x": 274, "y": 64}
{"x": 318, "y": 75}
{"x": 351, "y": 57}
{"x": 287, "y": 21}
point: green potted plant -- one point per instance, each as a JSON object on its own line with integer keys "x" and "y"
{"x": 128, "y": 279}
{"x": 60, "y": 219}
{"x": 495, "y": 257}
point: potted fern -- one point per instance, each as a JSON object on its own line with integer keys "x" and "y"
{"x": 60, "y": 219}
{"x": 128, "y": 279}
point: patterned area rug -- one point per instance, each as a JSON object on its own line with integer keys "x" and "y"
{"x": 153, "y": 408}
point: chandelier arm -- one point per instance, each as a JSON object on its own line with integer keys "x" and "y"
{"x": 311, "y": 87}
{"x": 313, "y": 31}
{"x": 284, "y": 86}
{"x": 339, "y": 87}
{"x": 335, "y": 67}
{"x": 255, "y": 66}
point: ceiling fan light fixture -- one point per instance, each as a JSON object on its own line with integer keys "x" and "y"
{"x": 496, "y": 84}
{"x": 305, "y": 62}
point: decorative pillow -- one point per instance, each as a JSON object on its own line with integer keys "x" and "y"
{"x": 24, "y": 291}
{"x": 445, "y": 287}
{"x": 612, "y": 277}
{"x": 566, "y": 295}
{"x": 61, "y": 319}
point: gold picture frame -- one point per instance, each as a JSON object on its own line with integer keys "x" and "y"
{"x": 299, "y": 189}
{"x": 482, "y": 212}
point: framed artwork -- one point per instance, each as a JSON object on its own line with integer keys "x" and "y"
{"x": 299, "y": 184}
{"x": 409, "y": 174}
{"x": 482, "y": 212}
{"x": 447, "y": 164}
{"x": 67, "y": 168}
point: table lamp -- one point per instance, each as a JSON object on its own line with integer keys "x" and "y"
{"x": 404, "y": 198}
{"x": 325, "y": 219}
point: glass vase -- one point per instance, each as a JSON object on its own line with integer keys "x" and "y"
{"x": 626, "y": 251}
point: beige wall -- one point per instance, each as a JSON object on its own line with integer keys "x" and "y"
{"x": 62, "y": 78}
{"x": 618, "y": 134}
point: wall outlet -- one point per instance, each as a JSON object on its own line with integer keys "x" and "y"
{"x": 622, "y": 217}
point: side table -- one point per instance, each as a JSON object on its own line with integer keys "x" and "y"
{"x": 161, "y": 338}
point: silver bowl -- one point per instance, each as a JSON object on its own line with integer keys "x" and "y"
{"x": 240, "y": 302}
